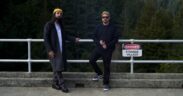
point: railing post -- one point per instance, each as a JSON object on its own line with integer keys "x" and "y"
{"x": 131, "y": 60}
{"x": 131, "y": 65}
{"x": 29, "y": 55}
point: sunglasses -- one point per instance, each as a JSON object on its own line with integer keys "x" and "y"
{"x": 105, "y": 17}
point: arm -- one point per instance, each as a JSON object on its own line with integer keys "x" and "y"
{"x": 115, "y": 36}
{"x": 95, "y": 37}
{"x": 72, "y": 39}
{"x": 47, "y": 38}
{"x": 47, "y": 41}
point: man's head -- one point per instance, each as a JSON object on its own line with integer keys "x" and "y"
{"x": 105, "y": 15}
{"x": 57, "y": 13}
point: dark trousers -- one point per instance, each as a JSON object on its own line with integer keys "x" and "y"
{"x": 58, "y": 78}
{"x": 106, "y": 57}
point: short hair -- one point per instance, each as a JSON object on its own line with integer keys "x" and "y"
{"x": 105, "y": 12}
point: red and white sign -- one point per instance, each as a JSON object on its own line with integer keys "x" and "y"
{"x": 132, "y": 46}
{"x": 132, "y": 50}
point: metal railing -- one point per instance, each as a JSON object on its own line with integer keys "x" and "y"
{"x": 131, "y": 61}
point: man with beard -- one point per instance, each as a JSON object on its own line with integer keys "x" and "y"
{"x": 54, "y": 40}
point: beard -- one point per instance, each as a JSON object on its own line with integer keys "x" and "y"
{"x": 56, "y": 19}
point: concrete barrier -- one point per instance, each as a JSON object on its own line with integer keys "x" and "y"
{"x": 79, "y": 79}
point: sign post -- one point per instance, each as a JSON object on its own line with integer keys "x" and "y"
{"x": 131, "y": 50}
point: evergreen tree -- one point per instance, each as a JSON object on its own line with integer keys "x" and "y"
{"x": 153, "y": 24}
{"x": 176, "y": 52}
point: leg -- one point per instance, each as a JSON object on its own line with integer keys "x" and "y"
{"x": 59, "y": 78}
{"x": 94, "y": 57}
{"x": 107, "y": 61}
{"x": 61, "y": 84}
{"x": 55, "y": 82}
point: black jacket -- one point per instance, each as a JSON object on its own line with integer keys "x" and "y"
{"x": 108, "y": 34}
{"x": 51, "y": 41}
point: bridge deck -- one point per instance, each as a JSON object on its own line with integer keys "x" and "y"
{"x": 47, "y": 91}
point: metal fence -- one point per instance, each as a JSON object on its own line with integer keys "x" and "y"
{"x": 131, "y": 61}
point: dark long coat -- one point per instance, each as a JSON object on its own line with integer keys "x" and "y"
{"x": 52, "y": 44}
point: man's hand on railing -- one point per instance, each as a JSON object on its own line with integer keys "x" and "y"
{"x": 77, "y": 40}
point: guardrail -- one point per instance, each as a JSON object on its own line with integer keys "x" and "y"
{"x": 131, "y": 61}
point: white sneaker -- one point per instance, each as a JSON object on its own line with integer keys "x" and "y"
{"x": 97, "y": 77}
{"x": 106, "y": 87}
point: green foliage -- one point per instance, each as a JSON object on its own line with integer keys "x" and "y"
{"x": 176, "y": 49}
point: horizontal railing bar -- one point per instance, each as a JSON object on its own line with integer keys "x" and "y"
{"x": 14, "y": 60}
{"x": 90, "y": 40}
{"x": 81, "y": 40}
{"x": 158, "y": 61}
{"x": 151, "y": 41}
{"x": 99, "y": 61}
{"x": 14, "y": 40}
{"x": 37, "y": 40}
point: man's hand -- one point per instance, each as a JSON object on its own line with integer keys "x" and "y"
{"x": 104, "y": 46}
{"x": 51, "y": 54}
{"x": 102, "y": 42}
{"x": 77, "y": 40}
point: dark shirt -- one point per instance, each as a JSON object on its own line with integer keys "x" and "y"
{"x": 108, "y": 34}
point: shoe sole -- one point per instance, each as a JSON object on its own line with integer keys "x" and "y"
{"x": 106, "y": 89}
{"x": 94, "y": 79}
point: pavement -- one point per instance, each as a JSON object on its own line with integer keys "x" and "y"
{"x": 48, "y": 91}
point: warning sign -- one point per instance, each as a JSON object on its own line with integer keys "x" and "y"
{"x": 130, "y": 50}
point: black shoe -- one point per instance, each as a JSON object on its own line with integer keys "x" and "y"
{"x": 64, "y": 88}
{"x": 55, "y": 87}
